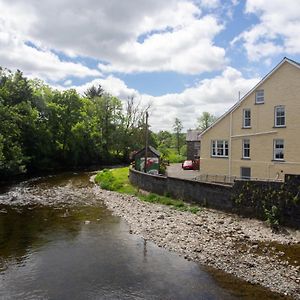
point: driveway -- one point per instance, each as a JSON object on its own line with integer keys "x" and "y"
{"x": 175, "y": 170}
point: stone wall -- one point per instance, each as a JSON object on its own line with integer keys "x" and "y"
{"x": 152, "y": 183}
{"x": 263, "y": 200}
{"x": 269, "y": 200}
{"x": 205, "y": 194}
{"x": 192, "y": 149}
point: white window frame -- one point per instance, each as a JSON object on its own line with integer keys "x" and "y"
{"x": 246, "y": 118}
{"x": 277, "y": 150}
{"x": 219, "y": 146}
{"x": 245, "y": 177}
{"x": 260, "y": 96}
{"x": 276, "y": 116}
{"x": 246, "y": 141}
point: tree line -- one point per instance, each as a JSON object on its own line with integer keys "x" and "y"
{"x": 43, "y": 129}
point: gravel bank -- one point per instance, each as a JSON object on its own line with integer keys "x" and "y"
{"x": 246, "y": 248}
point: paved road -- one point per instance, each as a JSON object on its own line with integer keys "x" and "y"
{"x": 175, "y": 170}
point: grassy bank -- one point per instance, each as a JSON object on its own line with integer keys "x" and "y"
{"x": 117, "y": 180}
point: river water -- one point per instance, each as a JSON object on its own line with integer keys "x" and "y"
{"x": 57, "y": 241}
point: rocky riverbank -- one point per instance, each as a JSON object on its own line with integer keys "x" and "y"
{"x": 246, "y": 248}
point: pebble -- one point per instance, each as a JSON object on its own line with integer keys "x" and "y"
{"x": 204, "y": 238}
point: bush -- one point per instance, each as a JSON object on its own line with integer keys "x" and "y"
{"x": 107, "y": 181}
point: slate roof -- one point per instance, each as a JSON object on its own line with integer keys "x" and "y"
{"x": 151, "y": 149}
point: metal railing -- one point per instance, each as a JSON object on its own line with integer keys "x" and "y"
{"x": 229, "y": 180}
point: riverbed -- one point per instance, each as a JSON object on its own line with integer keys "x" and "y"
{"x": 245, "y": 248}
{"x": 60, "y": 240}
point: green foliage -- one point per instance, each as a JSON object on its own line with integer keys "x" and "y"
{"x": 266, "y": 200}
{"x": 44, "y": 129}
{"x": 177, "y": 127}
{"x": 108, "y": 181}
{"x": 183, "y": 150}
{"x": 205, "y": 120}
{"x": 177, "y": 204}
{"x": 174, "y": 157}
{"x": 117, "y": 180}
{"x": 167, "y": 145}
{"x": 272, "y": 216}
{"x": 162, "y": 167}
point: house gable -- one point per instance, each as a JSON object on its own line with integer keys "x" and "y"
{"x": 256, "y": 87}
{"x": 261, "y": 135}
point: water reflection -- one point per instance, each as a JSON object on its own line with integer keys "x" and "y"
{"x": 57, "y": 241}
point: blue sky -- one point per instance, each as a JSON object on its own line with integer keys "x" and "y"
{"x": 181, "y": 56}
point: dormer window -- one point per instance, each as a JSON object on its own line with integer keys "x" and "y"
{"x": 259, "y": 97}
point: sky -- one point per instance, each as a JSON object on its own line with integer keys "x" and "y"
{"x": 181, "y": 57}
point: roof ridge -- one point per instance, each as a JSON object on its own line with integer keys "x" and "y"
{"x": 292, "y": 60}
{"x": 231, "y": 109}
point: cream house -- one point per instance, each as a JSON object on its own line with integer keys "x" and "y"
{"x": 259, "y": 137}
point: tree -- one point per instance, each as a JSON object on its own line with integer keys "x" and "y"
{"x": 177, "y": 130}
{"x": 164, "y": 139}
{"x": 46, "y": 129}
{"x": 205, "y": 120}
{"x": 93, "y": 92}
{"x": 133, "y": 125}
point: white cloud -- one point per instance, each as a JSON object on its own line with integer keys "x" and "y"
{"x": 15, "y": 53}
{"x": 209, "y": 3}
{"x": 68, "y": 82}
{"x": 214, "y": 95}
{"x": 188, "y": 49}
{"x": 129, "y": 36}
{"x": 277, "y": 31}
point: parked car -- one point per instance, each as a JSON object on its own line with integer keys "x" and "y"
{"x": 191, "y": 164}
{"x": 188, "y": 165}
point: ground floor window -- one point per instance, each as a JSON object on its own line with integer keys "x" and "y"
{"x": 279, "y": 149}
{"x": 219, "y": 148}
{"x": 245, "y": 173}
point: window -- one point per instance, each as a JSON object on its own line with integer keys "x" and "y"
{"x": 247, "y": 118}
{"x": 278, "y": 149}
{"x": 245, "y": 173}
{"x": 219, "y": 148}
{"x": 279, "y": 116}
{"x": 260, "y": 96}
{"x": 246, "y": 148}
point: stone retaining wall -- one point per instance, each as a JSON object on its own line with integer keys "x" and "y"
{"x": 262, "y": 200}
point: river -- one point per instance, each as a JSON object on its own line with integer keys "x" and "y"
{"x": 57, "y": 241}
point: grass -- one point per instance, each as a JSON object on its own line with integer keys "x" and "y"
{"x": 117, "y": 180}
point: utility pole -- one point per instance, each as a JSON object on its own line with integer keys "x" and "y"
{"x": 146, "y": 143}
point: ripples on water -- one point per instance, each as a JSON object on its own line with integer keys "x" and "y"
{"x": 58, "y": 241}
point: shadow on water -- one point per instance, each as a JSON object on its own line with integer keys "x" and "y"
{"x": 58, "y": 241}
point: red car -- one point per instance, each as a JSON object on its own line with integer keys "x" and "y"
{"x": 188, "y": 165}
{"x": 191, "y": 164}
